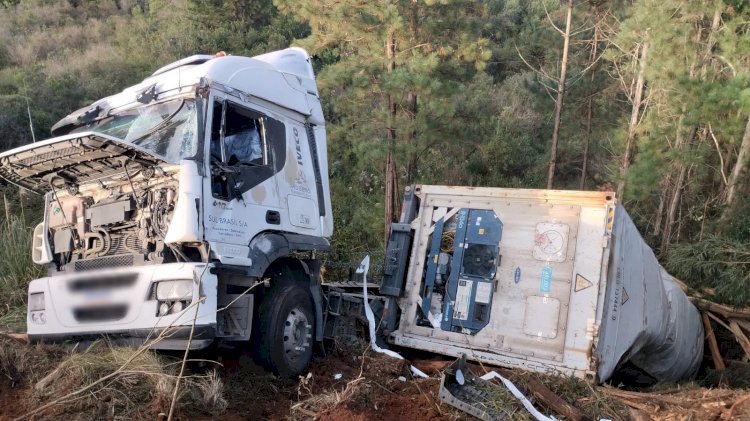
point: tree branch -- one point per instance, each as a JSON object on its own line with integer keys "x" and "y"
{"x": 721, "y": 158}
{"x": 537, "y": 71}
{"x": 550, "y": 20}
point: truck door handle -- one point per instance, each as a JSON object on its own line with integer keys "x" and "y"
{"x": 273, "y": 218}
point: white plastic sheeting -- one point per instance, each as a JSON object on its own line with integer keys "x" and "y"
{"x": 362, "y": 269}
{"x": 520, "y": 396}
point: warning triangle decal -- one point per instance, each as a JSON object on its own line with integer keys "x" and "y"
{"x": 581, "y": 283}
{"x": 625, "y": 296}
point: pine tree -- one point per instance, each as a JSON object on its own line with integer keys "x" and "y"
{"x": 397, "y": 69}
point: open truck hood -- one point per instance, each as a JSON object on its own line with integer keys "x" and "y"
{"x": 73, "y": 159}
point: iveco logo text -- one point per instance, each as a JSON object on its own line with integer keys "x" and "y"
{"x": 298, "y": 146}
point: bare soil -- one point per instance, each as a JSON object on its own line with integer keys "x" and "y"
{"x": 343, "y": 385}
{"x": 355, "y": 384}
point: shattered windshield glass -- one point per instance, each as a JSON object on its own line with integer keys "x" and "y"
{"x": 167, "y": 129}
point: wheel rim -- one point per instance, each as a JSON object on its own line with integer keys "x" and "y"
{"x": 297, "y": 334}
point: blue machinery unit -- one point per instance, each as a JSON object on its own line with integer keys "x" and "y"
{"x": 470, "y": 264}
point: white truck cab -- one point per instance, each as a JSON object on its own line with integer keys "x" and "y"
{"x": 183, "y": 192}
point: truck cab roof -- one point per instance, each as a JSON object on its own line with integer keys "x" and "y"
{"x": 284, "y": 78}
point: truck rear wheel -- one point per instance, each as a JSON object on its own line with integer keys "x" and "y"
{"x": 285, "y": 325}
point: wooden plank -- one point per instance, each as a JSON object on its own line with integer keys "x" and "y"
{"x": 712, "y": 345}
{"x": 726, "y": 311}
{"x": 555, "y": 402}
{"x": 745, "y": 324}
{"x": 718, "y": 320}
{"x": 740, "y": 335}
{"x": 652, "y": 397}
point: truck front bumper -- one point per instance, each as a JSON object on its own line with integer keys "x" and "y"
{"x": 123, "y": 305}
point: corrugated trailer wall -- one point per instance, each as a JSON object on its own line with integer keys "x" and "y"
{"x": 545, "y": 296}
{"x": 648, "y": 320}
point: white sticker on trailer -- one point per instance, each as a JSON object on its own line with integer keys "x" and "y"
{"x": 463, "y": 298}
{"x": 484, "y": 291}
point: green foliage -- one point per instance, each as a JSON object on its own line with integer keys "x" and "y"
{"x": 472, "y": 84}
{"x": 719, "y": 264}
{"x": 16, "y": 271}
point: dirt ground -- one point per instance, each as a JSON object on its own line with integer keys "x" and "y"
{"x": 355, "y": 384}
{"x": 342, "y": 385}
{"x": 369, "y": 389}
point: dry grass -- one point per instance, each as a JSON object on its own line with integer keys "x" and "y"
{"x": 499, "y": 400}
{"x": 591, "y": 399}
{"x": 139, "y": 391}
{"x": 322, "y": 402}
{"x": 22, "y": 365}
{"x": 16, "y": 270}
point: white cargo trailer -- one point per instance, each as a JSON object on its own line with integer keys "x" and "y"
{"x": 547, "y": 280}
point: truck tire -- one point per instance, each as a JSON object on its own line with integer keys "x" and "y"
{"x": 285, "y": 325}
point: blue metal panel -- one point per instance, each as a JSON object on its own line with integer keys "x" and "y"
{"x": 472, "y": 278}
{"x": 432, "y": 265}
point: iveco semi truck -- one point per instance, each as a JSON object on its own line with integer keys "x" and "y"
{"x": 191, "y": 209}
{"x": 205, "y": 180}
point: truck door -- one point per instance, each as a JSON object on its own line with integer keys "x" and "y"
{"x": 297, "y": 188}
{"x": 246, "y": 149}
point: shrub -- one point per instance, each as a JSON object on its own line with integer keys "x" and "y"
{"x": 718, "y": 266}
{"x": 16, "y": 271}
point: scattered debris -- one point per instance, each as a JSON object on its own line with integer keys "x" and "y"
{"x": 734, "y": 320}
{"x": 480, "y": 397}
{"x": 684, "y": 403}
{"x": 548, "y": 398}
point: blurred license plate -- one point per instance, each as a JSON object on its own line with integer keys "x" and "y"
{"x": 97, "y": 296}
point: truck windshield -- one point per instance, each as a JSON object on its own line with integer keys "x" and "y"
{"x": 166, "y": 129}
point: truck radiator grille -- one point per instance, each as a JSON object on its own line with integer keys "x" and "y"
{"x": 104, "y": 262}
{"x": 48, "y": 156}
{"x": 100, "y": 314}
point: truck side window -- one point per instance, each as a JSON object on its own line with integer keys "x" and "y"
{"x": 252, "y": 151}
{"x": 244, "y": 137}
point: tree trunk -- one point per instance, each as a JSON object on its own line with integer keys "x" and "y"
{"x": 738, "y": 179}
{"x": 390, "y": 173}
{"x": 678, "y": 185}
{"x": 411, "y": 170}
{"x": 586, "y": 141}
{"x": 662, "y": 204}
{"x": 634, "y": 114}
{"x": 697, "y": 71}
{"x": 589, "y": 109}
{"x": 560, "y": 96}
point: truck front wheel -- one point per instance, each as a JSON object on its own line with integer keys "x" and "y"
{"x": 285, "y": 327}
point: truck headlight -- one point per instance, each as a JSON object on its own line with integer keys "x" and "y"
{"x": 36, "y": 301}
{"x": 175, "y": 290}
